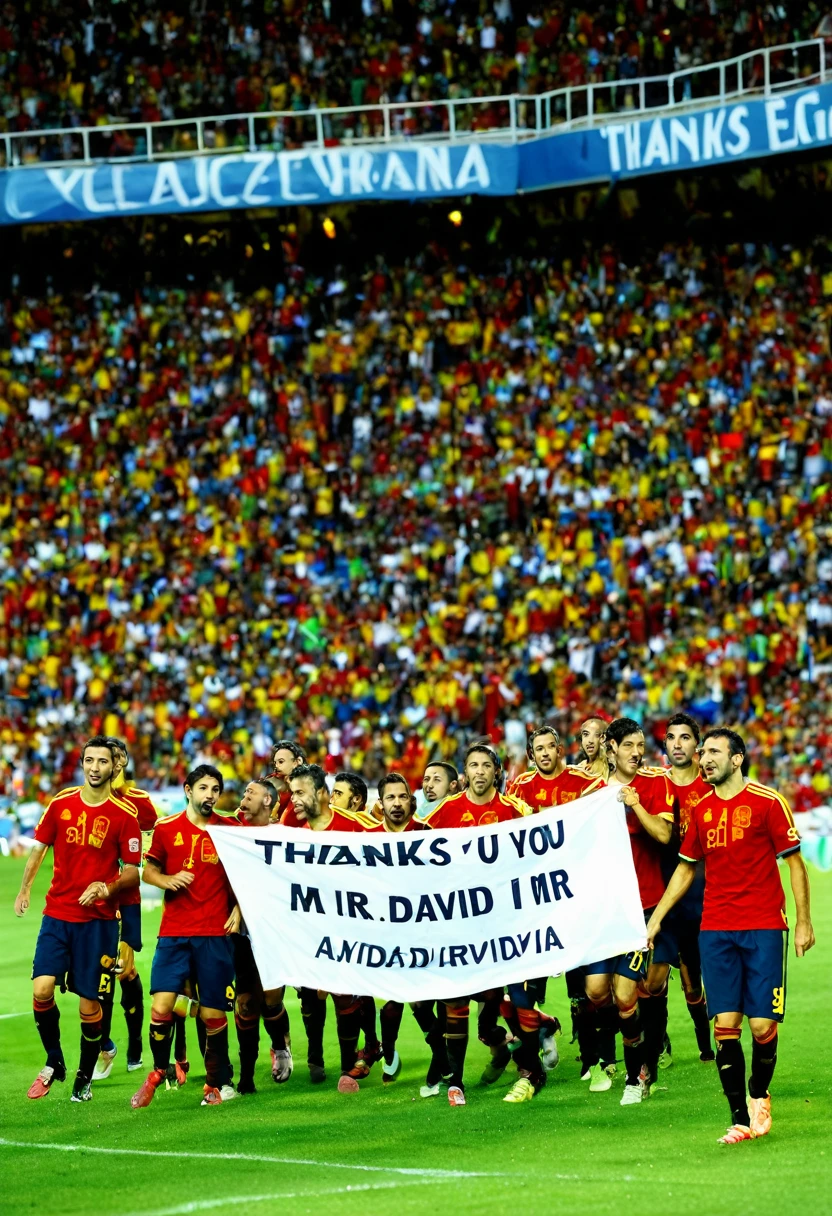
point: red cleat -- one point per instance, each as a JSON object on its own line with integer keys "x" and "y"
{"x": 456, "y": 1097}
{"x": 43, "y": 1082}
{"x": 371, "y": 1056}
{"x": 181, "y": 1067}
{"x": 348, "y": 1084}
{"x": 736, "y": 1135}
{"x": 144, "y": 1096}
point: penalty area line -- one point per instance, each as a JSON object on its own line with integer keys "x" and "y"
{"x": 205, "y": 1205}
{"x": 259, "y": 1157}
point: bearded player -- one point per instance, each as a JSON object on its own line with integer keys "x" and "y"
{"x": 90, "y": 832}
{"x": 198, "y": 918}
{"x": 650, "y": 805}
{"x": 255, "y": 811}
{"x": 286, "y": 757}
{"x": 682, "y": 926}
{"x": 741, "y": 830}
{"x": 481, "y": 803}
{"x": 551, "y": 782}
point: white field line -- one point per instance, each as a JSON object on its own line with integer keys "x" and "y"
{"x": 205, "y": 1205}
{"x": 3, "y": 1016}
{"x": 262, "y": 1157}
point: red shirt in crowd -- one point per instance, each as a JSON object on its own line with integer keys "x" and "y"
{"x": 458, "y": 811}
{"x": 88, "y": 843}
{"x": 541, "y": 792}
{"x": 740, "y": 839}
{"x": 201, "y": 909}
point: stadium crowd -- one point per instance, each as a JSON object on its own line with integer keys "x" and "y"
{"x": 65, "y": 65}
{"x": 390, "y": 509}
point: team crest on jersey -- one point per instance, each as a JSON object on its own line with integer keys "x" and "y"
{"x": 489, "y": 817}
{"x": 568, "y": 797}
{"x": 209, "y": 853}
{"x": 708, "y": 816}
{"x": 66, "y": 814}
{"x": 179, "y": 840}
{"x": 99, "y": 831}
{"x": 541, "y": 796}
{"x": 740, "y": 821}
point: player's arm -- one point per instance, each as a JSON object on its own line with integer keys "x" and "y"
{"x": 127, "y": 879}
{"x": 153, "y": 876}
{"x": 33, "y": 864}
{"x": 657, "y": 826}
{"x": 678, "y": 886}
{"x": 804, "y": 934}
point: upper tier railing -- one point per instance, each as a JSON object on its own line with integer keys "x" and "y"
{"x": 761, "y": 73}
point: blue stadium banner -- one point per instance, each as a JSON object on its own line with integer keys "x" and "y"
{"x": 257, "y": 179}
{"x": 798, "y": 120}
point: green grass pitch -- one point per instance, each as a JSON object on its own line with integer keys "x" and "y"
{"x": 299, "y": 1149}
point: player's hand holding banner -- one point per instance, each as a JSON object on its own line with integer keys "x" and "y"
{"x": 437, "y": 913}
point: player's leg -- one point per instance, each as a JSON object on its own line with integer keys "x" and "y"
{"x": 432, "y": 1026}
{"x": 584, "y": 1025}
{"x": 247, "y": 1009}
{"x": 51, "y": 961}
{"x": 371, "y": 1052}
{"x": 764, "y": 955}
{"x": 630, "y": 970}
{"x": 690, "y": 970}
{"x": 493, "y": 1006}
{"x": 169, "y": 973}
{"x": 213, "y": 969}
{"x": 723, "y": 975}
{"x": 348, "y": 1024}
{"x": 601, "y": 1009}
{"x": 456, "y": 1045}
{"x": 132, "y": 992}
{"x": 313, "y": 1012}
{"x": 94, "y": 951}
{"x": 276, "y": 1023}
{"x": 391, "y": 1021}
{"x": 652, "y": 996}
{"x": 532, "y": 1077}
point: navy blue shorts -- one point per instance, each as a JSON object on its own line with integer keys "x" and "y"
{"x": 528, "y": 994}
{"x": 679, "y": 942}
{"x": 633, "y": 966}
{"x": 207, "y": 961}
{"x": 744, "y": 971}
{"x": 131, "y": 925}
{"x": 82, "y": 957}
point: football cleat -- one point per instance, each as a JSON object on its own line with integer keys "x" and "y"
{"x": 317, "y": 1074}
{"x": 144, "y": 1096}
{"x": 244, "y": 1086}
{"x": 430, "y": 1091}
{"x": 45, "y": 1079}
{"x": 666, "y": 1056}
{"x": 610, "y": 1068}
{"x": 496, "y": 1066}
{"x": 599, "y": 1081}
{"x": 180, "y": 1068}
{"x": 521, "y": 1091}
{"x": 634, "y": 1094}
{"x": 81, "y": 1089}
{"x": 736, "y": 1134}
{"x": 586, "y": 1074}
{"x": 282, "y": 1065}
{"x": 707, "y": 1057}
{"x": 215, "y": 1096}
{"x": 456, "y": 1097}
{"x": 134, "y": 1063}
{"x": 104, "y": 1064}
{"x": 371, "y": 1055}
{"x": 549, "y": 1056}
{"x": 390, "y": 1071}
{"x": 359, "y": 1071}
{"x": 347, "y": 1083}
{"x": 759, "y": 1115}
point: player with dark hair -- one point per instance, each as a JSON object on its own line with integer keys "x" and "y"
{"x": 741, "y": 829}
{"x": 130, "y": 982}
{"x": 439, "y": 780}
{"x": 593, "y": 758}
{"x": 255, "y": 811}
{"x": 479, "y": 804}
{"x": 312, "y": 805}
{"x": 286, "y": 757}
{"x": 650, "y": 804}
{"x": 551, "y": 782}
{"x": 198, "y": 917}
{"x": 681, "y": 744}
{"x": 90, "y": 832}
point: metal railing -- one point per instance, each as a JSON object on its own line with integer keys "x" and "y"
{"x": 764, "y": 72}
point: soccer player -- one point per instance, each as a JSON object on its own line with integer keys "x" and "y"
{"x": 551, "y": 782}
{"x": 255, "y": 811}
{"x": 286, "y": 756}
{"x": 740, "y": 830}
{"x": 198, "y": 917}
{"x": 681, "y": 927}
{"x": 594, "y": 755}
{"x": 650, "y": 805}
{"x": 438, "y": 781}
{"x": 311, "y": 802}
{"x": 479, "y": 804}
{"x": 90, "y": 832}
{"x": 130, "y": 982}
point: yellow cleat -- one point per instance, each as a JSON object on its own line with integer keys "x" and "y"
{"x": 759, "y": 1115}
{"x": 521, "y": 1091}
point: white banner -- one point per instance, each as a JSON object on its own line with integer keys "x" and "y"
{"x": 424, "y": 915}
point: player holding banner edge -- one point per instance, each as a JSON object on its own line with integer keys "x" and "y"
{"x": 741, "y": 830}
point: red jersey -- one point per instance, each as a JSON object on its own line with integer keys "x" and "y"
{"x": 458, "y": 811}
{"x": 688, "y": 797}
{"x": 201, "y": 909}
{"x": 289, "y": 818}
{"x": 413, "y": 825}
{"x": 140, "y": 804}
{"x": 341, "y": 822}
{"x": 740, "y": 839}
{"x": 88, "y": 843}
{"x": 657, "y": 797}
{"x": 541, "y": 792}
{"x": 284, "y": 807}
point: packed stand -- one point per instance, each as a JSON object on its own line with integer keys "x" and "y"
{"x": 381, "y": 513}
{"x": 66, "y": 66}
